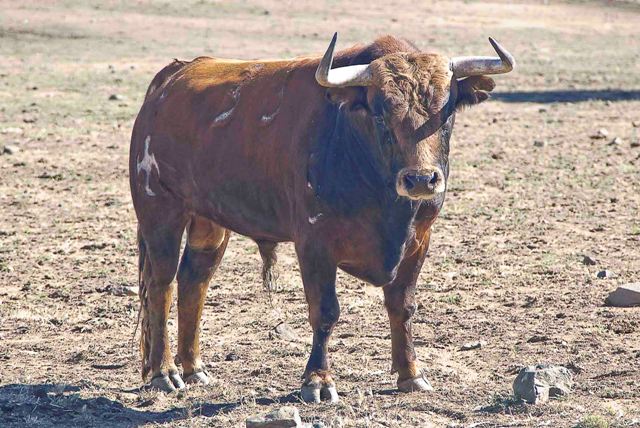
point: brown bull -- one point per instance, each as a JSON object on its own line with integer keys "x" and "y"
{"x": 350, "y": 163}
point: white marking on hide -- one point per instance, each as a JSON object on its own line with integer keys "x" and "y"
{"x": 314, "y": 219}
{"x": 147, "y": 164}
{"x": 267, "y": 118}
{"x": 222, "y": 117}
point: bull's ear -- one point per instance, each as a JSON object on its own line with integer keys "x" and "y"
{"x": 474, "y": 90}
{"x": 353, "y": 95}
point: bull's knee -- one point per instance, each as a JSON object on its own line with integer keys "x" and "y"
{"x": 401, "y": 312}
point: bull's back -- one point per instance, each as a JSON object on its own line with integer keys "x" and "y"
{"x": 221, "y": 133}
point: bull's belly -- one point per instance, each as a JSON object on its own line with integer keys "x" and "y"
{"x": 246, "y": 210}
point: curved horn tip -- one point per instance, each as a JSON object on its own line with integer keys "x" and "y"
{"x": 504, "y": 54}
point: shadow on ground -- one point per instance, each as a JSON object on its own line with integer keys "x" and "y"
{"x": 61, "y": 405}
{"x": 566, "y": 96}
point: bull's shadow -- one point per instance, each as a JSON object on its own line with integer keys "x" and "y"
{"x": 566, "y": 96}
{"x": 59, "y": 405}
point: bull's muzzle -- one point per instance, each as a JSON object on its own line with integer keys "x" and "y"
{"x": 420, "y": 183}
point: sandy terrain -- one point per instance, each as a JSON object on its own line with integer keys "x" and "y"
{"x": 506, "y": 260}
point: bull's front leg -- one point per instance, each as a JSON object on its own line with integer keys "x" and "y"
{"x": 319, "y": 279}
{"x": 399, "y": 298}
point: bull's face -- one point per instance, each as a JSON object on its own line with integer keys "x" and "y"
{"x": 405, "y": 103}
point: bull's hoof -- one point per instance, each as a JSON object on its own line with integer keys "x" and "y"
{"x": 317, "y": 392}
{"x": 418, "y": 383}
{"x": 197, "y": 378}
{"x": 166, "y": 383}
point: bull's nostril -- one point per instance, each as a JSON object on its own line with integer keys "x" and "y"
{"x": 434, "y": 178}
{"x": 408, "y": 181}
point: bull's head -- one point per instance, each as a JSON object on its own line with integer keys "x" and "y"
{"x": 411, "y": 98}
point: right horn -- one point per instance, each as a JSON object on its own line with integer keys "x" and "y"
{"x": 352, "y": 75}
{"x": 464, "y": 66}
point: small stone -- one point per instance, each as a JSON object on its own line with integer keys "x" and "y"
{"x": 469, "y": 346}
{"x": 636, "y": 123}
{"x": 283, "y": 417}
{"x": 536, "y": 384}
{"x": 600, "y": 134}
{"x": 231, "y": 357}
{"x": 539, "y": 143}
{"x": 123, "y": 290}
{"x": 116, "y": 97}
{"x": 588, "y": 260}
{"x": 17, "y": 131}
{"x": 285, "y": 332}
{"x": 616, "y": 141}
{"x": 10, "y": 150}
{"x": 626, "y": 295}
{"x": 603, "y": 274}
{"x": 635, "y": 143}
{"x": 542, "y": 110}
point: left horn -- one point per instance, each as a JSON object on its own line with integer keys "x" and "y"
{"x": 353, "y": 75}
{"x": 464, "y": 66}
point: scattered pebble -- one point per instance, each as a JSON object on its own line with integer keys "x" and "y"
{"x": 231, "y": 357}
{"x": 536, "y": 384}
{"x": 635, "y": 143}
{"x": 604, "y": 274}
{"x": 600, "y": 134}
{"x": 10, "y": 150}
{"x": 542, "y": 110}
{"x": 636, "y": 123}
{"x": 589, "y": 261}
{"x": 625, "y": 296}
{"x": 616, "y": 141}
{"x": 116, "y": 97}
{"x": 283, "y": 417}
{"x": 10, "y": 130}
{"x": 123, "y": 290}
{"x": 539, "y": 143}
{"x": 473, "y": 345}
{"x": 285, "y": 332}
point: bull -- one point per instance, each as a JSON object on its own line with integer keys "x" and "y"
{"x": 346, "y": 156}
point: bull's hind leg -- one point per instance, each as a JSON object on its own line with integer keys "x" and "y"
{"x": 160, "y": 251}
{"x": 319, "y": 280}
{"x": 205, "y": 247}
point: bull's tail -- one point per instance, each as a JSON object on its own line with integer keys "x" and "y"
{"x": 143, "y": 318}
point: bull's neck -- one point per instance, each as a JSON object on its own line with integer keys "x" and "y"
{"x": 347, "y": 173}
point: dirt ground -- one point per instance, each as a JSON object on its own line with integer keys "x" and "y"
{"x": 531, "y": 192}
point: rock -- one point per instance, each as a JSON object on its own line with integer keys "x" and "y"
{"x": 17, "y": 131}
{"x": 616, "y": 141}
{"x": 10, "y": 150}
{"x": 600, "y": 134}
{"x": 231, "y": 357}
{"x": 635, "y": 143}
{"x": 589, "y": 261}
{"x": 542, "y": 110}
{"x": 473, "y": 345}
{"x": 536, "y": 384}
{"x": 625, "y": 296}
{"x": 116, "y": 97}
{"x": 636, "y": 123}
{"x": 285, "y": 332}
{"x": 123, "y": 290}
{"x": 539, "y": 143}
{"x": 604, "y": 274}
{"x": 283, "y": 417}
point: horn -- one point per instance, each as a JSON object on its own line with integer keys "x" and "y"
{"x": 353, "y": 75}
{"x": 464, "y": 66}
